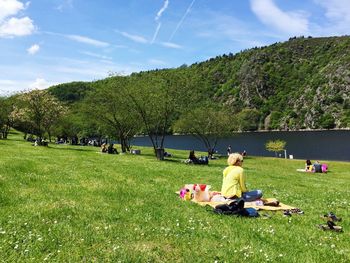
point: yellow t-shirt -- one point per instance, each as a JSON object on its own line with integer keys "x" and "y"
{"x": 233, "y": 183}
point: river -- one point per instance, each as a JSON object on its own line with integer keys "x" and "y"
{"x": 315, "y": 145}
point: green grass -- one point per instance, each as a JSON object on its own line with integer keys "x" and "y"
{"x": 72, "y": 204}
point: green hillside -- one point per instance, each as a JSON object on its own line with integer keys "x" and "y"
{"x": 303, "y": 83}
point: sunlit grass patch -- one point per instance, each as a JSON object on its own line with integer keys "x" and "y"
{"x": 70, "y": 204}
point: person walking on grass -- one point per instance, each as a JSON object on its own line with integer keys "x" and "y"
{"x": 233, "y": 183}
{"x": 229, "y": 149}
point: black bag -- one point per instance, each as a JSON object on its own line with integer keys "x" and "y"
{"x": 236, "y": 207}
{"x": 233, "y": 208}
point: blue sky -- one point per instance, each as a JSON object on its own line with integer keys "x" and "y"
{"x": 43, "y": 42}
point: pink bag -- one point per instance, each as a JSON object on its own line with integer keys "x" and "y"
{"x": 324, "y": 168}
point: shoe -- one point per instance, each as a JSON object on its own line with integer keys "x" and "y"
{"x": 271, "y": 202}
{"x": 331, "y": 226}
{"x": 287, "y": 213}
{"x": 297, "y": 211}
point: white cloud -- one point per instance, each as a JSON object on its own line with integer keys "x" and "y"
{"x": 337, "y": 13}
{"x": 336, "y": 9}
{"x": 33, "y": 49}
{"x": 87, "y": 40}
{"x": 292, "y": 23}
{"x": 39, "y": 83}
{"x": 134, "y": 38}
{"x": 231, "y": 32}
{"x": 9, "y": 8}
{"x": 17, "y": 27}
{"x": 11, "y": 26}
{"x": 171, "y": 45}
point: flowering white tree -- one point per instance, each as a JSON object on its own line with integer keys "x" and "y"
{"x": 42, "y": 110}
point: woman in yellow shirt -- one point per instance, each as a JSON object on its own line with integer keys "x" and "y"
{"x": 233, "y": 183}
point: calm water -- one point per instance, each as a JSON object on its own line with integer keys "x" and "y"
{"x": 322, "y": 145}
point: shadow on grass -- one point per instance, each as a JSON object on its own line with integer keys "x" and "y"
{"x": 71, "y": 148}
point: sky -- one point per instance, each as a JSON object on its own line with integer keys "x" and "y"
{"x": 44, "y": 43}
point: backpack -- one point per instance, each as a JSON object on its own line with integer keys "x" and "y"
{"x": 236, "y": 207}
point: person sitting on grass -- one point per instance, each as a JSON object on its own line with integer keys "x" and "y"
{"x": 233, "y": 183}
{"x": 111, "y": 149}
{"x": 308, "y": 166}
{"x": 104, "y": 148}
{"x": 317, "y": 167}
{"x": 193, "y": 159}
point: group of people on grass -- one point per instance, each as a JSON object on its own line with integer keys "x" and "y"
{"x": 108, "y": 148}
{"x": 233, "y": 182}
{"x": 316, "y": 167}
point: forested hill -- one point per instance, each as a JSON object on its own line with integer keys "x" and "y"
{"x": 303, "y": 83}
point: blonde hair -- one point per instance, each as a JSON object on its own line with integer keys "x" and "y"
{"x": 233, "y": 158}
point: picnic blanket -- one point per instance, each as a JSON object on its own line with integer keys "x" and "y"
{"x": 280, "y": 206}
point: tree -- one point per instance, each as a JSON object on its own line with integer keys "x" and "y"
{"x": 111, "y": 110}
{"x": 158, "y": 100}
{"x": 7, "y": 109}
{"x": 327, "y": 121}
{"x": 275, "y": 146}
{"x": 206, "y": 124}
{"x": 247, "y": 120}
{"x": 42, "y": 110}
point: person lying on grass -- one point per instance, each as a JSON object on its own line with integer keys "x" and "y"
{"x": 233, "y": 183}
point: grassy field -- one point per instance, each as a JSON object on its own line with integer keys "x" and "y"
{"x": 72, "y": 204}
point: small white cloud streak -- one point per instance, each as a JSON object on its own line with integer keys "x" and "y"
{"x": 134, "y": 38}
{"x": 292, "y": 23}
{"x": 87, "y": 40}
{"x": 33, "y": 49}
{"x": 171, "y": 45}
{"x": 91, "y": 54}
{"x": 158, "y": 16}
{"x": 156, "y": 32}
{"x": 160, "y": 12}
{"x": 67, "y": 4}
{"x": 17, "y": 27}
{"x": 181, "y": 21}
